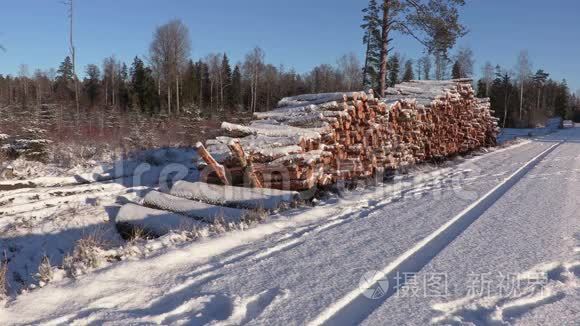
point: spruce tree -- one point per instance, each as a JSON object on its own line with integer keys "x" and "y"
{"x": 236, "y": 89}
{"x": 372, "y": 41}
{"x": 226, "y": 80}
{"x": 65, "y": 71}
{"x": 92, "y": 83}
{"x": 394, "y": 68}
{"x": 138, "y": 82}
{"x": 123, "y": 91}
{"x": 205, "y": 86}
{"x": 409, "y": 74}
{"x": 482, "y": 88}
{"x": 65, "y": 79}
{"x": 143, "y": 87}
{"x": 199, "y": 81}
{"x": 456, "y": 71}
{"x": 190, "y": 84}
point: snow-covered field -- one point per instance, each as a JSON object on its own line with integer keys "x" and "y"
{"x": 442, "y": 245}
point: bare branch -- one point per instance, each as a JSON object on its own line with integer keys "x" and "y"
{"x": 405, "y": 29}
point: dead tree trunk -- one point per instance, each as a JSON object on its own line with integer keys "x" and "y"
{"x": 177, "y": 93}
{"x": 73, "y": 54}
{"x": 168, "y": 98}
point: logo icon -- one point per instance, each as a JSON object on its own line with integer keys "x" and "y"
{"x": 374, "y": 285}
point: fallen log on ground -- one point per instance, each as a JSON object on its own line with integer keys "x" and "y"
{"x": 155, "y": 222}
{"x": 194, "y": 209}
{"x": 249, "y": 198}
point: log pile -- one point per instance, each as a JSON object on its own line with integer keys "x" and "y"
{"x": 319, "y": 139}
{"x": 32, "y": 148}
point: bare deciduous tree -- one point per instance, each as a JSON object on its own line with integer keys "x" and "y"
{"x": 253, "y": 66}
{"x": 524, "y": 71}
{"x": 215, "y": 75}
{"x": 169, "y": 53}
{"x": 465, "y": 59}
{"x": 351, "y": 70}
{"x": 70, "y": 5}
{"x": 488, "y": 74}
{"x": 425, "y": 63}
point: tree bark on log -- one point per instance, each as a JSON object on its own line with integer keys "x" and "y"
{"x": 246, "y": 164}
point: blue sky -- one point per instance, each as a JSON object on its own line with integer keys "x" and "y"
{"x": 296, "y": 33}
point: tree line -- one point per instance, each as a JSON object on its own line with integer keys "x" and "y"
{"x": 169, "y": 81}
{"x": 524, "y": 97}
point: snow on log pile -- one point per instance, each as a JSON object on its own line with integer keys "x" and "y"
{"x": 32, "y": 148}
{"x": 318, "y": 139}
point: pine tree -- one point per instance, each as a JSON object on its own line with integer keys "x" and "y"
{"x": 434, "y": 23}
{"x": 456, "y": 71}
{"x": 562, "y": 100}
{"x": 408, "y": 75}
{"x": 372, "y": 41}
{"x": 540, "y": 79}
{"x": 394, "y": 68}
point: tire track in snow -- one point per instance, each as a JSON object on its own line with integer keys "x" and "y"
{"x": 352, "y": 210}
{"x": 356, "y": 307}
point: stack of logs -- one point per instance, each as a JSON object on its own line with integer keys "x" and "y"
{"x": 31, "y": 148}
{"x": 319, "y": 139}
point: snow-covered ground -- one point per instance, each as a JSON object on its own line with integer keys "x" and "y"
{"x": 509, "y": 134}
{"x": 46, "y": 216}
{"x": 446, "y": 236}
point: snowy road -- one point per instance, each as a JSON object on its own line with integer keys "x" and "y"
{"x": 306, "y": 266}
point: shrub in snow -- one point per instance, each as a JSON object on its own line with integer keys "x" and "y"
{"x": 86, "y": 255}
{"x": 137, "y": 234}
{"x": 45, "y": 273}
{"x": 3, "y": 280}
{"x": 255, "y": 216}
